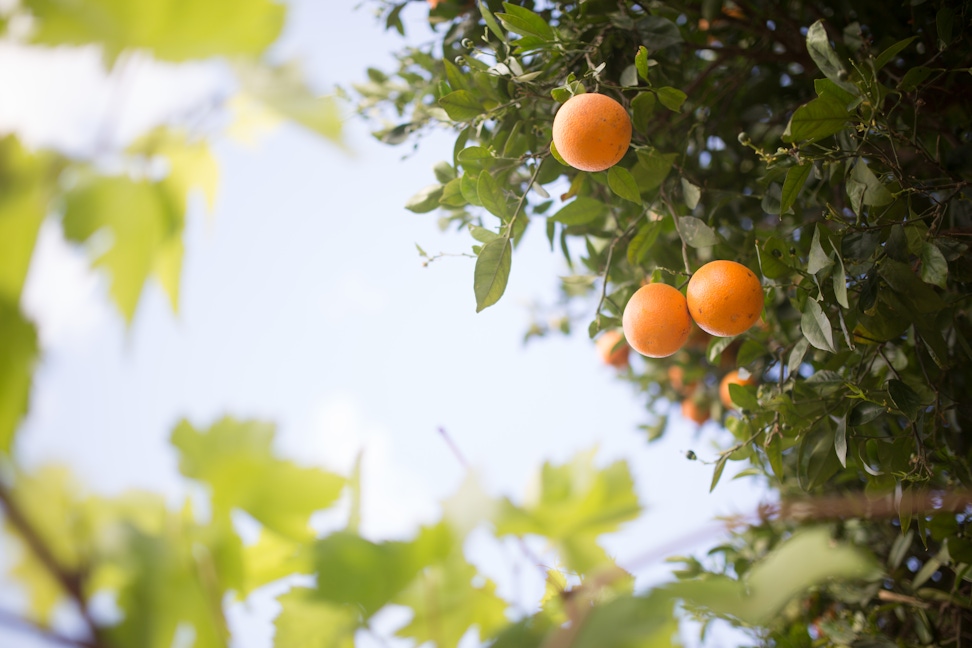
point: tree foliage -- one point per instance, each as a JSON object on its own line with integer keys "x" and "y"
{"x": 825, "y": 146}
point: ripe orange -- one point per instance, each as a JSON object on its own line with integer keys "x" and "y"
{"x": 732, "y": 378}
{"x": 676, "y": 378}
{"x": 656, "y": 320}
{"x": 725, "y": 298}
{"x": 591, "y": 131}
{"x": 613, "y": 349}
{"x": 694, "y": 411}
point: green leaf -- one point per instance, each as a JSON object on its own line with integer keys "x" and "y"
{"x": 796, "y": 177}
{"x": 355, "y": 571}
{"x": 819, "y": 118}
{"x": 775, "y": 259}
{"x": 641, "y": 64}
{"x": 172, "y": 30}
{"x": 648, "y": 620}
{"x": 934, "y": 267}
{"x": 525, "y": 22}
{"x": 717, "y": 471}
{"x": 652, "y": 168}
{"x": 426, "y": 199}
{"x": 573, "y": 504}
{"x": 143, "y": 218}
{"x": 492, "y": 196}
{"x": 919, "y": 296}
{"x": 305, "y": 621}
{"x": 642, "y": 241}
{"x": 892, "y": 51}
{"x": 818, "y": 259}
{"x": 840, "y": 440}
{"x": 580, "y": 211}
{"x": 839, "y": 278}
{"x": 23, "y": 206}
{"x": 642, "y": 108}
{"x": 623, "y": 184}
{"x": 283, "y": 90}
{"x": 447, "y": 601}
{"x": 236, "y": 460}
{"x": 816, "y": 327}
{"x": 744, "y": 397}
{"x": 696, "y": 233}
{"x": 904, "y": 398}
{"x": 671, "y": 98}
{"x": 492, "y": 271}
{"x": 807, "y": 559}
{"x": 864, "y": 188}
{"x": 818, "y": 45}
{"x": 914, "y": 78}
{"x": 462, "y": 105}
{"x": 944, "y": 22}
{"x": 490, "y": 21}
{"x": 691, "y": 193}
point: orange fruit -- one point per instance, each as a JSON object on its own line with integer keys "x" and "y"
{"x": 694, "y": 411}
{"x": 676, "y": 377}
{"x": 725, "y": 298}
{"x": 656, "y": 320}
{"x": 613, "y": 349}
{"x": 732, "y": 378}
{"x": 591, "y": 131}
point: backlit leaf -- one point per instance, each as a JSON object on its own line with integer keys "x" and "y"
{"x": 236, "y": 459}
{"x": 574, "y": 504}
{"x": 24, "y": 193}
{"x": 306, "y": 621}
{"x": 172, "y": 30}
{"x": 19, "y": 352}
{"x": 283, "y": 89}
{"x": 492, "y": 271}
{"x": 142, "y": 219}
{"x": 818, "y": 259}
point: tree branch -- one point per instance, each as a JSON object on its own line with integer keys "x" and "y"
{"x": 69, "y": 579}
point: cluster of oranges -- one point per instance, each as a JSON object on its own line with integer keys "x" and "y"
{"x": 723, "y": 299}
{"x": 592, "y": 132}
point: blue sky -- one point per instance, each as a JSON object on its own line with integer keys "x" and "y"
{"x": 305, "y": 302}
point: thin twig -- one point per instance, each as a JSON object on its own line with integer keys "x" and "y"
{"x": 11, "y": 620}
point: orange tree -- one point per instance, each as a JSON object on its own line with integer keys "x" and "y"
{"x": 827, "y": 147}
{"x": 824, "y": 148}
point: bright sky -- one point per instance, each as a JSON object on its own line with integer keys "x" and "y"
{"x": 305, "y": 302}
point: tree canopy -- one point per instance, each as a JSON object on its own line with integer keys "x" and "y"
{"x": 825, "y": 146}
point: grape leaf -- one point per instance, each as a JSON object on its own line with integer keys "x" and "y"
{"x": 236, "y": 460}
